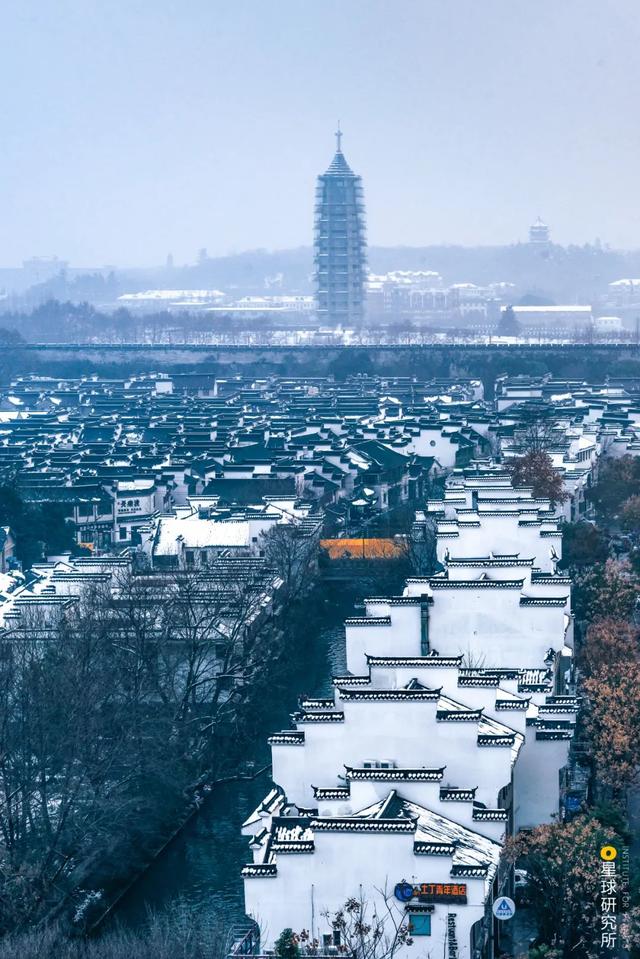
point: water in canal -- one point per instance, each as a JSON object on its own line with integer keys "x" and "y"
{"x": 202, "y": 865}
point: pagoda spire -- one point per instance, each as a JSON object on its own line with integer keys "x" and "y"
{"x": 338, "y": 139}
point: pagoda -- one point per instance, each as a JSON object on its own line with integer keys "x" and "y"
{"x": 340, "y": 243}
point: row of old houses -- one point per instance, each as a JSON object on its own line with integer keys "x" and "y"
{"x": 116, "y": 454}
{"x": 449, "y": 731}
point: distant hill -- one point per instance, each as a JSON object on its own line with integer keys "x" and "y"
{"x": 566, "y": 273}
{"x": 562, "y": 274}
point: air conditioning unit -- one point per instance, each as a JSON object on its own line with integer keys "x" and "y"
{"x": 370, "y": 764}
{"x": 387, "y": 764}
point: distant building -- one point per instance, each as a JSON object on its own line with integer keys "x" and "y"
{"x": 255, "y": 305}
{"x": 421, "y": 295}
{"x": 340, "y": 243}
{"x": 539, "y": 234}
{"x": 152, "y": 300}
{"x": 39, "y": 269}
{"x": 553, "y": 320}
{"x": 624, "y": 292}
{"x": 608, "y": 325}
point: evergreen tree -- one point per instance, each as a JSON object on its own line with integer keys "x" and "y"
{"x": 508, "y": 325}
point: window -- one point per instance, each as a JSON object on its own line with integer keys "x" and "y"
{"x": 254, "y": 539}
{"x": 189, "y": 557}
{"x": 204, "y": 557}
{"x": 432, "y": 442}
{"x": 420, "y": 924}
{"x": 123, "y": 532}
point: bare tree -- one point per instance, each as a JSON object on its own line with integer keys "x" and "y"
{"x": 421, "y": 545}
{"x": 371, "y": 929}
{"x": 113, "y": 712}
{"x": 537, "y": 430}
{"x": 372, "y": 932}
{"x": 293, "y": 552}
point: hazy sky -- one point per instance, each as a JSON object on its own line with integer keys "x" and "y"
{"x": 134, "y": 128}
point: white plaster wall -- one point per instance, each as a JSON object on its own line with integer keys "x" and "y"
{"x": 536, "y": 780}
{"x": 377, "y": 640}
{"x": 443, "y": 449}
{"x": 502, "y": 535}
{"x": 490, "y": 628}
{"x": 357, "y": 864}
{"x": 406, "y": 733}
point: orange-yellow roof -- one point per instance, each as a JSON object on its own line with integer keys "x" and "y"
{"x": 362, "y": 548}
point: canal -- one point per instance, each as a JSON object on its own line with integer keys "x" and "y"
{"x": 201, "y": 866}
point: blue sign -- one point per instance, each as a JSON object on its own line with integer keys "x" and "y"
{"x": 403, "y": 891}
{"x": 504, "y": 908}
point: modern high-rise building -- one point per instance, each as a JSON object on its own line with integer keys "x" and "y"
{"x": 340, "y": 243}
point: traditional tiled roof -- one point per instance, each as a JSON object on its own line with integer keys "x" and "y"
{"x": 458, "y": 715}
{"x": 428, "y": 662}
{"x": 494, "y": 739}
{"x": 396, "y": 775}
{"x": 361, "y": 824}
{"x": 434, "y": 849}
{"x": 545, "y": 734}
{"x": 491, "y": 561}
{"x": 351, "y": 680}
{"x": 329, "y": 793}
{"x": 454, "y": 794}
{"x": 307, "y": 702}
{"x": 394, "y": 600}
{"x": 368, "y": 621}
{"x": 481, "y": 583}
{"x": 543, "y": 600}
{"x": 325, "y": 716}
{"x": 557, "y": 707}
{"x": 259, "y": 870}
{"x": 390, "y": 695}
{"x": 506, "y": 701}
{"x": 490, "y": 815}
{"x": 287, "y": 738}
